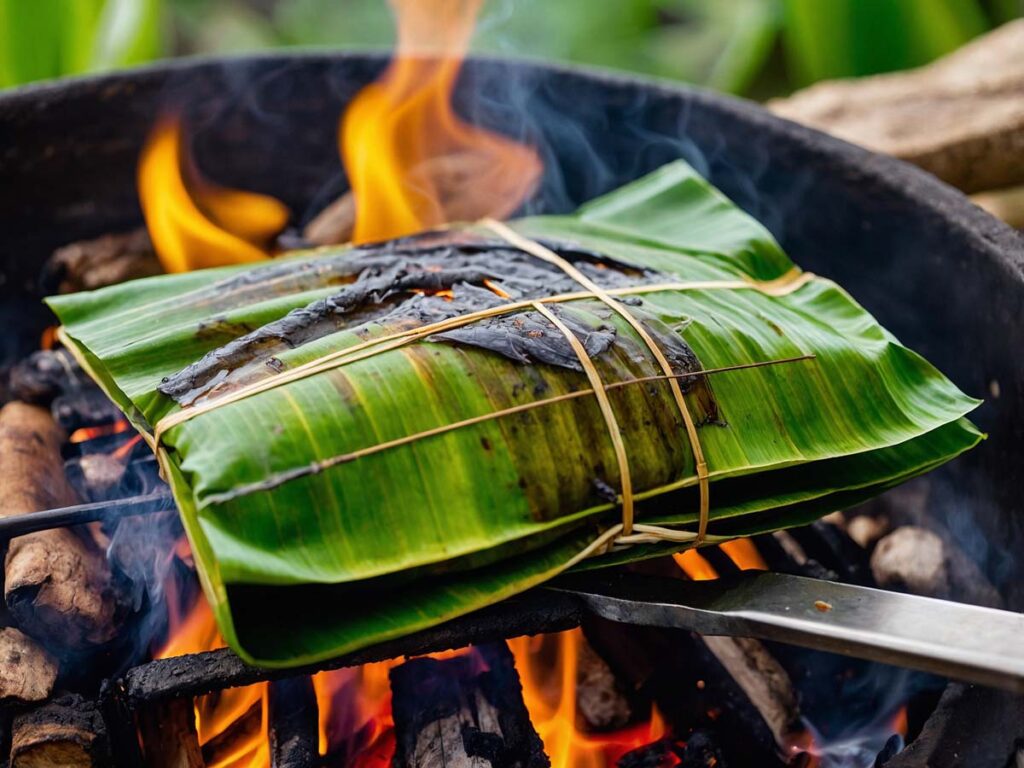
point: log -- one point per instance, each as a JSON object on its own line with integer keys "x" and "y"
{"x": 917, "y": 560}
{"x": 90, "y": 264}
{"x": 168, "y": 734}
{"x": 27, "y": 671}
{"x": 57, "y": 582}
{"x": 463, "y": 712}
{"x": 960, "y": 118}
{"x": 294, "y": 723}
{"x": 65, "y": 733}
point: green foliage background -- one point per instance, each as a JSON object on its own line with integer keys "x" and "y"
{"x": 751, "y": 47}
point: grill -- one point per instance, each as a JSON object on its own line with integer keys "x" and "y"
{"x": 942, "y": 275}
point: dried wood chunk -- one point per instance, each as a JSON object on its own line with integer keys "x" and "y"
{"x": 90, "y": 264}
{"x": 57, "y": 582}
{"x": 461, "y": 713}
{"x": 960, "y": 118}
{"x": 27, "y": 671}
{"x": 65, "y": 733}
{"x": 169, "y": 738}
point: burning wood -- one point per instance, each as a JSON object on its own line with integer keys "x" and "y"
{"x": 461, "y": 712}
{"x": 293, "y": 733}
{"x": 27, "y": 671}
{"x": 57, "y": 583}
{"x": 65, "y": 733}
{"x": 168, "y": 734}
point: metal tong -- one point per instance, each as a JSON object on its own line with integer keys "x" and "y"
{"x": 966, "y": 642}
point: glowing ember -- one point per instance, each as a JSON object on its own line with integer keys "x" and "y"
{"x": 194, "y": 224}
{"x": 413, "y": 164}
{"x": 91, "y": 433}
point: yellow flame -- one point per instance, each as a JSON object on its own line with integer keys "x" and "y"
{"x": 200, "y": 225}
{"x": 412, "y": 162}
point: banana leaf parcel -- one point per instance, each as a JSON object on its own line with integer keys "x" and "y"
{"x": 365, "y": 441}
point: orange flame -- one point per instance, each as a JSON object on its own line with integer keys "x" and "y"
{"x": 193, "y": 223}
{"x": 412, "y": 163}
{"x": 223, "y": 714}
{"x": 744, "y": 553}
{"x": 82, "y": 434}
{"x": 695, "y": 566}
{"x": 547, "y": 667}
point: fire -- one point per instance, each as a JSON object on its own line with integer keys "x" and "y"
{"x": 82, "y": 434}
{"x": 412, "y": 162}
{"x": 231, "y": 724}
{"x": 196, "y": 224}
{"x": 547, "y": 667}
{"x": 742, "y": 552}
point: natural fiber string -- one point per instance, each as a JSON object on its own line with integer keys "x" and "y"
{"x": 321, "y": 465}
{"x": 614, "y": 431}
{"x": 701, "y": 467}
{"x": 789, "y": 282}
{"x": 626, "y": 532}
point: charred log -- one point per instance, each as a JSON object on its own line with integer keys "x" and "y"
{"x": 168, "y": 734}
{"x": 723, "y": 685}
{"x": 201, "y": 673}
{"x": 27, "y": 671}
{"x": 65, "y": 733}
{"x": 972, "y": 726}
{"x": 447, "y": 712}
{"x": 57, "y": 582}
{"x": 294, "y": 729}
{"x": 44, "y": 375}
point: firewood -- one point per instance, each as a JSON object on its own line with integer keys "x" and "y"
{"x": 960, "y": 118}
{"x": 65, "y": 733}
{"x": 57, "y": 582}
{"x": 459, "y": 712}
{"x": 294, "y": 727}
{"x": 725, "y": 685}
{"x": 90, "y": 264}
{"x": 169, "y": 738}
{"x": 27, "y": 671}
{"x": 917, "y": 560}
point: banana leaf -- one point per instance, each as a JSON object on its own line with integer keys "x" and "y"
{"x": 318, "y": 525}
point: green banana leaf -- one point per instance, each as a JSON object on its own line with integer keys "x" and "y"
{"x": 304, "y": 556}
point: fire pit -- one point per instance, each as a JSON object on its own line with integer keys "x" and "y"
{"x": 946, "y": 278}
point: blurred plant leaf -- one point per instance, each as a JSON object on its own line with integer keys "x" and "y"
{"x": 719, "y": 45}
{"x": 849, "y": 38}
{"x": 49, "y": 38}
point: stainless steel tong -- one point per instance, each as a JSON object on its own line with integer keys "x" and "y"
{"x": 966, "y": 642}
